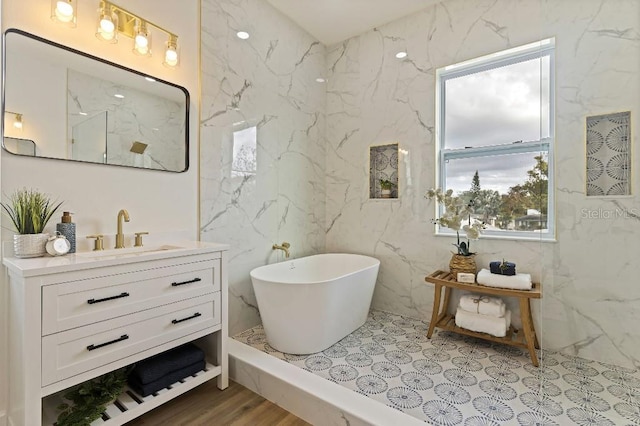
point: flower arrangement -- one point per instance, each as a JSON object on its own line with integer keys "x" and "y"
{"x": 456, "y": 210}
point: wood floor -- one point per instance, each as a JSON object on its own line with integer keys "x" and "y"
{"x": 207, "y": 405}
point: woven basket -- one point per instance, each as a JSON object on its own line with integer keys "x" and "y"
{"x": 460, "y": 263}
{"x": 30, "y": 245}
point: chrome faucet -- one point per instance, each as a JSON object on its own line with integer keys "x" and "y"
{"x": 122, "y": 214}
{"x": 284, "y": 247}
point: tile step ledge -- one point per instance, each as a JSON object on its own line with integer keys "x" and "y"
{"x": 310, "y": 397}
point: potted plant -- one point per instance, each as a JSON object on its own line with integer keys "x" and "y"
{"x": 456, "y": 210}
{"x": 30, "y": 210}
{"x": 385, "y": 188}
{"x": 86, "y": 402}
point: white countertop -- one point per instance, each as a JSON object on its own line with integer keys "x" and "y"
{"x": 111, "y": 257}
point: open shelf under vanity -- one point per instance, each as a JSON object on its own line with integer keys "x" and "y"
{"x": 129, "y": 404}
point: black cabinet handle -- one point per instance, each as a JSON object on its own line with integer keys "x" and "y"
{"x": 195, "y": 280}
{"x": 92, "y": 301}
{"x": 196, "y": 315}
{"x": 119, "y": 339}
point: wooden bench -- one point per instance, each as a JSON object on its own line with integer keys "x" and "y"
{"x": 441, "y": 319}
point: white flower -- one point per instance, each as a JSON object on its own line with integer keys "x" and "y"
{"x": 455, "y": 212}
{"x": 472, "y": 232}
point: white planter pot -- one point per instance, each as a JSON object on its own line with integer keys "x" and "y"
{"x": 385, "y": 193}
{"x": 30, "y": 245}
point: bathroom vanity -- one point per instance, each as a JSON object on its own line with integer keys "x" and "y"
{"x": 76, "y": 317}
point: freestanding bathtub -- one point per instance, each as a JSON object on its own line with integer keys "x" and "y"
{"x": 308, "y": 304}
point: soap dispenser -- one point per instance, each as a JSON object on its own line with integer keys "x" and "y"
{"x": 68, "y": 229}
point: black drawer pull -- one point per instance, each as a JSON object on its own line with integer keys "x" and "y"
{"x": 196, "y": 315}
{"x": 195, "y": 280}
{"x": 92, "y": 301}
{"x": 119, "y": 339}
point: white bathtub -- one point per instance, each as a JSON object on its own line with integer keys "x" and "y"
{"x": 308, "y": 304}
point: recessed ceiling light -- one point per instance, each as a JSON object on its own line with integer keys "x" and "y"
{"x": 243, "y": 35}
{"x": 119, "y": 96}
{"x": 82, "y": 113}
{"x": 150, "y": 79}
{"x": 320, "y": 80}
{"x": 401, "y": 55}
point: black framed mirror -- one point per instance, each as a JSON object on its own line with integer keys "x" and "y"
{"x": 78, "y": 107}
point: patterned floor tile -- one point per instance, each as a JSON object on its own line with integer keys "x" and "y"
{"x": 458, "y": 380}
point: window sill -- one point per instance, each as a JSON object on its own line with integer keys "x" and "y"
{"x": 533, "y": 238}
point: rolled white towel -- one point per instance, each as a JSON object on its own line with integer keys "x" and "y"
{"x": 485, "y": 305}
{"x": 483, "y": 323}
{"x": 515, "y": 282}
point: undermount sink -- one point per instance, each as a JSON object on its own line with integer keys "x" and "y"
{"x": 131, "y": 251}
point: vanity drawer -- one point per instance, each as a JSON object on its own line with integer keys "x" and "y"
{"x": 75, "y": 351}
{"x": 78, "y": 303}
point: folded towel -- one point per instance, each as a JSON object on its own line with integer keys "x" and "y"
{"x": 155, "y": 367}
{"x": 514, "y": 282}
{"x": 483, "y": 323}
{"x": 485, "y": 305}
{"x": 166, "y": 380}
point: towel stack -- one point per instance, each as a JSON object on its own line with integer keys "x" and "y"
{"x": 514, "y": 282}
{"x": 163, "y": 370}
{"x": 483, "y": 314}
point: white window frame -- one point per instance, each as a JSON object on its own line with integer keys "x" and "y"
{"x": 545, "y": 145}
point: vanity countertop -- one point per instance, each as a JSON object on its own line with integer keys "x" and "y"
{"x": 87, "y": 260}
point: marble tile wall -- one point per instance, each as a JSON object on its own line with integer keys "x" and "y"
{"x": 373, "y": 98}
{"x": 267, "y": 82}
{"x": 314, "y": 140}
{"x": 139, "y": 116}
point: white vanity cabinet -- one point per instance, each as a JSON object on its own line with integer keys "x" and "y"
{"x": 76, "y": 317}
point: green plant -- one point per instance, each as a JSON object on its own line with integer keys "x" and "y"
{"x": 386, "y": 184}
{"x": 30, "y": 210}
{"x": 88, "y": 400}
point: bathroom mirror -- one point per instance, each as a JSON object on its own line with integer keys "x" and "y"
{"x": 74, "y": 106}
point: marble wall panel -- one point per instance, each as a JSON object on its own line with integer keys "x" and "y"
{"x": 372, "y": 97}
{"x": 267, "y": 82}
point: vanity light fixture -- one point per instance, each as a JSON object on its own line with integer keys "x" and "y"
{"x": 17, "y": 120}
{"x": 242, "y": 35}
{"x": 64, "y": 11}
{"x": 401, "y": 55}
{"x": 114, "y": 20}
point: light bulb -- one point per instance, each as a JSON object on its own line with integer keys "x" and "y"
{"x": 171, "y": 57}
{"x": 401, "y": 55}
{"x": 64, "y": 11}
{"x": 107, "y": 25}
{"x": 242, "y": 35}
{"x": 171, "y": 54}
{"x": 141, "y": 41}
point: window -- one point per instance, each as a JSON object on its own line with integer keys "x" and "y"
{"x": 495, "y": 133}
{"x": 244, "y": 161}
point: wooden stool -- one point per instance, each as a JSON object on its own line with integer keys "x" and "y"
{"x": 441, "y": 319}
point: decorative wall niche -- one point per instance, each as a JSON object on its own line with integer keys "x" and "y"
{"x": 609, "y": 154}
{"x": 383, "y": 171}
